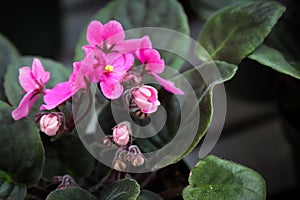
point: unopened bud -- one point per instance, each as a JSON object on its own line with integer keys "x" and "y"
{"x": 146, "y": 98}
{"x": 51, "y": 123}
{"x": 65, "y": 181}
{"x": 134, "y": 156}
{"x": 138, "y": 160}
{"x": 107, "y": 141}
{"x": 119, "y": 164}
{"x": 121, "y": 133}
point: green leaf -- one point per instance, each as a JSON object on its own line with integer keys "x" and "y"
{"x": 126, "y": 189}
{"x": 59, "y": 73}
{"x": 67, "y": 155}
{"x": 148, "y": 195}
{"x": 148, "y": 13}
{"x": 73, "y": 193}
{"x": 12, "y": 191}
{"x": 22, "y": 153}
{"x": 272, "y": 58}
{"x": 8, "y": 54}
{"x": 235, "y": 31}
{"x": 205, "y": 8}
{"x": 203, "y": 90}
{"x": 214, "y": 178}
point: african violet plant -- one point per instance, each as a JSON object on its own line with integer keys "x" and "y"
{"x": 150, "y": 107}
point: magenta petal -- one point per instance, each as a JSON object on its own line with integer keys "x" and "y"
{"x": 156, "y": 68}
{"x": 24, "y": 107}
{"x": 167, "y": 85}
{"x": 151, "y": 58}
{"x": 133, "y": 45}
{"x": 26, "y": 79}
{"x": 113, "y": 32}
{"x": 143, "y": 105}
{"x": 94, "y": 33}
{"x": 111, "y": 90}
{"x": 58, "y": 95}
{"x": 39, "y": 72}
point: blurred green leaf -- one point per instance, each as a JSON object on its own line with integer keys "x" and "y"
{"x": 22, "y": 153}
{"x": 235, "y": 31}
{"x": 8, "y": 54}
{"x": 148, "y": 195}
{"x": 11, "y": 191}
{"x": 126, "y": 189}
{"x": 59, "y": 73}
{"x": 205, "y": 8}
{"x": 73, "y": 193}
{"x": 148, "y": 13}
{"x": 272, "y": 58}
{"x": 67, "y": 155}
{"x": 213, "y": 178}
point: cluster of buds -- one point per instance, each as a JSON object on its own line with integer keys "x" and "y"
{"x": 128, "y": 156}
{"x": 127, "y": 153}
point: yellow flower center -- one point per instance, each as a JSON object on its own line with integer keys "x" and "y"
{"x": 109, "y": 68}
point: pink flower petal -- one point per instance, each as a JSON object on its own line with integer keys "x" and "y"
{"x": 132, "y": 45}
{"x": 151, "y": 58}
{"x": 26, "y": 79}
{"x": 39, "y": 72}
{"x": 113, "y": 32}
{"x": 94, "y": 33}
{"x": 24, "y": 106}
{"x": 122, "y": 63}
{"x": 111, "y": 90}
{"x": 58, "y": 95}
{"x": 167, "y": 85}
{"x": 145, "y": 106}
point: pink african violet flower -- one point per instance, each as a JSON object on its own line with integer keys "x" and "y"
{"x": 146, "y": 99}
{"x": 115, "y": 70}
{"x": 33, "y": 82}
{"x": 121, "y": 133}
{"x": 50, "y": 124}
{"x": 155, "y": 65}
{"x": 110, "y": 37}
{"x": 65, "y": 90}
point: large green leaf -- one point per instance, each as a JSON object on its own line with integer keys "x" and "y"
{"x": 272, "y": 58}
{"x": 59, "y": 73}
{"x": 148, "y": 195}
{"x": 214, "y": 178}
{"x": 22, "y": 153}
{"x": 126, "y": 189}
{"x": 203, "y": 89}
{"x": 8, "y": 54}
{"x": 149, "y": 13}
{"x": 74, "y": 193}
{"x": 10, "y": 190}
{"x": 205, "y": 8}
{"x": 67, "y": 155}
{"x": 235, "y": 31}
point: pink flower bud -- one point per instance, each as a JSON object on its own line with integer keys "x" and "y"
{"x": 50, "y": 124}
{"x": 121, "y": 133}
{"x": 146, "y": 99}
